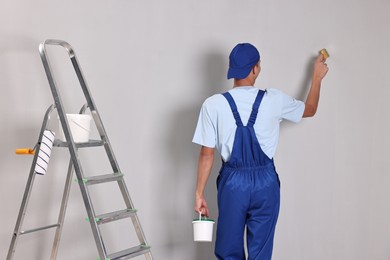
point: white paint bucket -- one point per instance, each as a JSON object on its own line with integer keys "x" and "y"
{"x": 80, "y": 126}
{"x": 203, "y": 229}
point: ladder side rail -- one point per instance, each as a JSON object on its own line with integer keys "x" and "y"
{"x": 64, "y": 203}
{"x": 134, "y": 218}
{"x": 107, "y": 145}
{"x": 73, "y": 151}
{"x": 61, "y": 216}
{"x": 27, "y": 191}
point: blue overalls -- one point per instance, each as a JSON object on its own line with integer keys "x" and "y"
{"x": 248, "y": 194}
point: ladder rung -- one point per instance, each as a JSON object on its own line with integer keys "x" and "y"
{"x": 103, "y": 178}
{"x": 112, "y": 216}
{"x": 90, "y": 143}
{"x": 38, "y": 229}
{"x": 130, "y": 253}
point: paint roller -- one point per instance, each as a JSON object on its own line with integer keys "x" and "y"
{"x": 43, "y": 153}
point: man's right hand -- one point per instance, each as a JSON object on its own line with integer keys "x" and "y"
{"x": 319, "y": 72}
{"x": 320, "y": 68}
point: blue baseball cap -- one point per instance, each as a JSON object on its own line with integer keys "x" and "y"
{"x": 241, "y": 60}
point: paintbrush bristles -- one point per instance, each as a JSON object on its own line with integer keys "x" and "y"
{"x": 325, "y": 53}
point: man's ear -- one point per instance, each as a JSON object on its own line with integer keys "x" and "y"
{"x": 258, "y": 67}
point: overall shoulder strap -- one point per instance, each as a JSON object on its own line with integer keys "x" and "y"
{"x": 255, "y": 108}
{"x": 233, "y": 107}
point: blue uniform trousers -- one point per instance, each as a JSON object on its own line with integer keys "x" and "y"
{"x": 248, "y": 195}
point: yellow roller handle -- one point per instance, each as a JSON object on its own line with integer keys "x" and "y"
{"x": 325, "y": 53}
{"x": 25, "y": 151}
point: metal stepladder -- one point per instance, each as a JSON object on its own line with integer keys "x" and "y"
{"x": 75, "y": 166}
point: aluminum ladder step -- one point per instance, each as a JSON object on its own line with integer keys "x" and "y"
{"x": 130, "y": 253}
{"x": 116, "y": 215}
{"x": 103, "y": 178}
{"x": 90, "y": 143}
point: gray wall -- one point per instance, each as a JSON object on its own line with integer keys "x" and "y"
{"x": 150, "y": 65}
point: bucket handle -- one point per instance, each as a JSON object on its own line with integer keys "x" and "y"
{"x": 200, "y": 216}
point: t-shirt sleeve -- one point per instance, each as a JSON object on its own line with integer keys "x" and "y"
{"x": 292, "y": 109}
{"x": 205, "y": 133}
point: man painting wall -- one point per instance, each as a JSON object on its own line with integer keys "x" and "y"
{"x": 243, "y": 125}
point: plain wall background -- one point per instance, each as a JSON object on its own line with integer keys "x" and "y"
{"x": 150, "y": 65}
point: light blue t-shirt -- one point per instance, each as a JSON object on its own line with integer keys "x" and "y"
{"x": 216, "y": 125}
